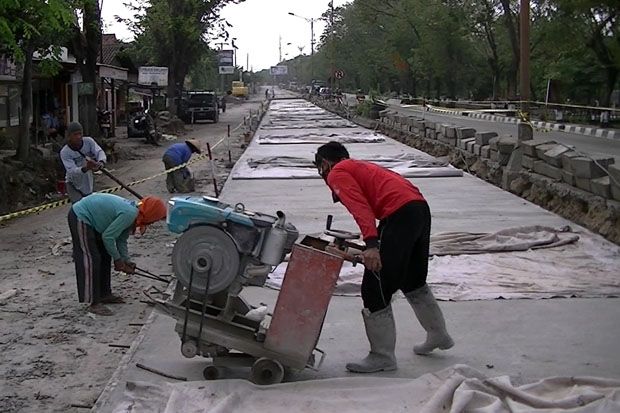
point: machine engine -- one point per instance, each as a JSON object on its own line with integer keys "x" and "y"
{"x": 224, "y": 247}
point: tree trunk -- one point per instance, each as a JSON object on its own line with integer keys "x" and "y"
{"x": 514, "y": 43}
{"x": 612, "y": 78}
{"x": 23, "y": 147}
{"x": 171, "y": 90}
{"x": 86, "y": 49}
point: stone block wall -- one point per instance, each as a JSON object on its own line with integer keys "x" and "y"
{"x": 584, "y": 189}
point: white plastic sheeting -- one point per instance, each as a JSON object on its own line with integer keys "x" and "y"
{"x": 410, "y": 165}
{"x": 319, "y": 137}
{"x": 456, "y": 389}
{"x": 587, "y": 268}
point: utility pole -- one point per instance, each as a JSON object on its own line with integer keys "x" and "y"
{"x": 279, "y": 49}
{"x": 311, "y": 21}
{"x": 524, "y": 72}
{"x": 333, "y": 39}
{"x": 524, "y": 127}
{"x": 221, "y": 45}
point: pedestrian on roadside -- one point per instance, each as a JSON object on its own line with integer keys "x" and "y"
{"x": 267, "y": 94}
{"x": 80, "y": 156}
{"x": 396, "y": 254}
{"x": 100, "y": 225}
{"x": 180, "y": 180}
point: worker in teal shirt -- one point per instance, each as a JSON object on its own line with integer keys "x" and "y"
{"x": 100, "y": 225}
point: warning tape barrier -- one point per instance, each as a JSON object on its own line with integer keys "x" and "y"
{"x": 65, "y": 201}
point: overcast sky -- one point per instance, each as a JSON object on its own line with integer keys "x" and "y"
{"x": 257, "y": 25}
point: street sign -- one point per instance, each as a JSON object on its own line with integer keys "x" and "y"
{"x": 339, "y": 74}
{"x": 225, "y": 57}
{"x": 279, "y": 70}
{"x": 149, "y": 75}
{"x": 226, "y": 70}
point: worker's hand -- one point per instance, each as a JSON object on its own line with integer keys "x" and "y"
{"x": 91, "y": 165}
{"x": 372, "y": 259}
{"x": 125, "y": 266}
{"x": 98, "y": 166}
{"x": 131, "y": 267}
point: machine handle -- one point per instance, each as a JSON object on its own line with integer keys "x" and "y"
{"x": 355, "y": 259}
{"x": 321, "y": 360}
{"x": 328, "y": 225}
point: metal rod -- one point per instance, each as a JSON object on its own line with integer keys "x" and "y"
{"x": 217, "y": 193}
{"x": 151, "y": 277}
{"x": 115, "y": 179}
{"x": 204, "y": 306}
{"x": 119, "y": 345}
{"x": 150, "y": 273}
{"x": 228, "y": 141}
{"x": 161, "y": 373}
{"x": 187, "y": 303}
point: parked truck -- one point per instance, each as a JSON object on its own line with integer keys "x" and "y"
{"x": 239, "y": 89}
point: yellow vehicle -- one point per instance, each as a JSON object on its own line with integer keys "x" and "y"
{"x": 239, "y": 89}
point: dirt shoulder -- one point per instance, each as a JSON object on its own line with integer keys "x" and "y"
{"x": 53, "y": 353}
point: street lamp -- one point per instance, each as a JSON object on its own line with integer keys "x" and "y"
{"x": 310, "y": 20}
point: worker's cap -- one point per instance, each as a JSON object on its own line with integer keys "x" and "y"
{"x": 150, "y": 210}
{"x": 74, "y": 127}
{"x": 194, "y": 144}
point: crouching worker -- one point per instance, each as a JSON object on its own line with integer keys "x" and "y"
{"x": 180, "y": 180}
{"x": 100, "y": 225}
{"x": 396, "y": 255}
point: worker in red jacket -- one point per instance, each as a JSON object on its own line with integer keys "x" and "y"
{"x": 396, "y": 254}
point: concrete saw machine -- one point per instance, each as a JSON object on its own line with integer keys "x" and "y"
{"x": 224, "y": 248}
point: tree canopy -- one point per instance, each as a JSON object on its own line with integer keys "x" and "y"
{"x": 470, "y": 48}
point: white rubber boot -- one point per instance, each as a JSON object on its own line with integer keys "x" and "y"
{"x": 381, "y": 333}
{"x": 431, "y": 318}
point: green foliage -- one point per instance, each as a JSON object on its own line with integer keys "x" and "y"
{"x": 36, "y": 25}
{"x": 174, "y": 33}
{"x": 469, "y": 48}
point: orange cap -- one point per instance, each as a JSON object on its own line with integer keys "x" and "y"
{"x": 150, "y": 209}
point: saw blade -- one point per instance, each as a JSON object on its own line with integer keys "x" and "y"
{"x": 211, "y": 253}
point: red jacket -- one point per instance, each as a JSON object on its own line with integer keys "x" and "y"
{"x": 370, "y": 192}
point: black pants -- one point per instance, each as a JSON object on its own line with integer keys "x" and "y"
{"x": 404, "y": 247}
{"x": 93, "y": 264}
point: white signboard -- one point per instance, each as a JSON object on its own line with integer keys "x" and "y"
{"x": 226, "y": 70}
{"x": 279, "y": 70}
{"x": 225, "y": 57}
{"x": 148, "y": 75}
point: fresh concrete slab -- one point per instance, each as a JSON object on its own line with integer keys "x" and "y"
{"x": 527, "y": 339}
{"x": 523, "y": 338}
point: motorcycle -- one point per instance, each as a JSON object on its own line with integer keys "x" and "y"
{"x": 104, "y": 121}
{"x": 360, "y": 96}
{"x": 141, "y": 124}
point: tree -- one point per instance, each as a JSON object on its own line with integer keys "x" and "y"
{"x": 26, "y": 27}
{"x": 173, "y": 33}
{"x": 85, "y": 44}
{"x": 597, "y": 22}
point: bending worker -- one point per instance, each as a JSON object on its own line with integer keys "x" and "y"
{"x": 80, "y": 157}
{"x": 396, "y": 254}
{"x": 180, "y": 180}
{"x": 100, "y": 225}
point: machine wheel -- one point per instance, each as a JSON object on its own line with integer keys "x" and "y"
{"x": 189, "y": 349}
{"x": 266, "y": 371}
{"x": 211, "y": 373}
{"x": 211, "y": 253}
